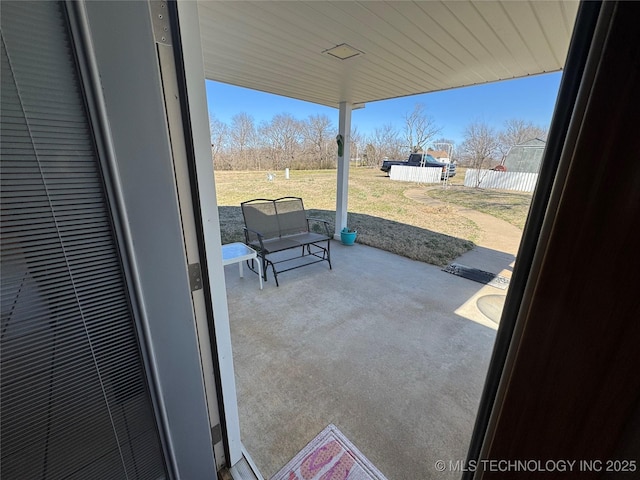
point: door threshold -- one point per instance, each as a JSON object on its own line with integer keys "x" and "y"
{"x": 245, "y": 468}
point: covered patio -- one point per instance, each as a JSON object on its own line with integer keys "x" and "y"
{"x": 392, "y": 351}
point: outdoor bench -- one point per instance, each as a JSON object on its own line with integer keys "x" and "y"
{"x": 281, "y": 225}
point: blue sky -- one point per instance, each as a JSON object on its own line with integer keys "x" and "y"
{"x": 532, "y": 98}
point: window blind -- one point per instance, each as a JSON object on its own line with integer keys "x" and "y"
{"x": 75, "y": 402}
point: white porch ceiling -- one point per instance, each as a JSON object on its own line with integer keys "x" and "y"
{"x": 410, "y": 47}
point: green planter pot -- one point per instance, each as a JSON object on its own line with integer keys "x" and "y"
{"x": 347, "y": 237}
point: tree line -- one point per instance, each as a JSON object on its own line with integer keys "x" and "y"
{"x": 302, "y": 144}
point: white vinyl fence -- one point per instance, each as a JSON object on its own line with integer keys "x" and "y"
{"x": 415, "y": 174}
{"x": 519, "y": 181}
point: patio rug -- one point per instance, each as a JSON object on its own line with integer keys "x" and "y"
{"x": 476, "y": 275}
{"x": 329, "y": 456}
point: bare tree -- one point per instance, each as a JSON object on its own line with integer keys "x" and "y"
{"x": 517, "y": 131}
{"x": 219, "y": 138}
{"x": 384, "y": 143}
{"x": 283, "y": 137}
{"x": 243, "y": 137}
{"x": 419, "y": 128}
{"x": 356, "y": 145}
{"x": 318, "y": 133}
{"x": 369, "y": 155}
{"x": 479, "y": 146}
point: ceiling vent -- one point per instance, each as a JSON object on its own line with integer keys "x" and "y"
{"x": 343, "y": 51}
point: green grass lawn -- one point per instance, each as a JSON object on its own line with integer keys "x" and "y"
{"x": 512, "y": 207}
{"x": 378, "y": 209}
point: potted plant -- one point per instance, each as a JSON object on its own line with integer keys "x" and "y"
{"x": 348, "y": 237}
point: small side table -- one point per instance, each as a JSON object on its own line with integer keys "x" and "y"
{"x": 238, "y": 253}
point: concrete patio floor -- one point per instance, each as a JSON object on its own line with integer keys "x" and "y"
{"x": 392, "y": 351}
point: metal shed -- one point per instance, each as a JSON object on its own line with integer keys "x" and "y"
{"x": 525, "y": 157}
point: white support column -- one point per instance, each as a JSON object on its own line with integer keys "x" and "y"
{"x": 342, "y": 190}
